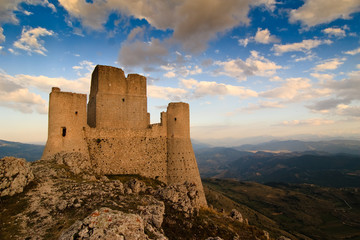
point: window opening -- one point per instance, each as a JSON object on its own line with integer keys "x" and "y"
{"x": 63, "y": 131}
{"x": 175, "y": 119}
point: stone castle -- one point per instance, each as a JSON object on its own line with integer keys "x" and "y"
{"x": 114, "y": 133}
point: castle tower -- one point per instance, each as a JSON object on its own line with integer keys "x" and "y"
{"x": 181, "y": 164}
{"x": 117, "y": 102}
{"x": 66, "y": 123}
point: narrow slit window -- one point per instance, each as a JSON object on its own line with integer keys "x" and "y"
{"x": 63, "y": 131}
{"x": 175, "y": 119}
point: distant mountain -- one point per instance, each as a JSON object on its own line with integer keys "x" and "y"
{"x": 312, "y": 167}
{"x": 333, "y": 146}
{"x": 30, "y": 152}
{"x": 197, "y": 145}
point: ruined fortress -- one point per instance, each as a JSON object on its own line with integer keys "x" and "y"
{"x": 114, "y": 133}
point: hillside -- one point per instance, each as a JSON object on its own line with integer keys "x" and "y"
{"x": 59, "y": 204}
{"x": 30, "y": 152}
{"x": 304, "y": 211}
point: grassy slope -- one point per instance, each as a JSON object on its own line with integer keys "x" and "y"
{"x": 308, "y": 212}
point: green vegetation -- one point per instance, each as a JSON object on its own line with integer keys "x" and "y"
{"x": 305, "y": 211}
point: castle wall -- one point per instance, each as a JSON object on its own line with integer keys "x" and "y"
{"x": 66, "y": 124}
{"x": 116, "y": 101}
{"x": 124, "y": 151}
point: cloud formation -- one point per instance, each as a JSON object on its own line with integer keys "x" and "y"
{"x": 307, "y": 122}
{"x": 344, "y": 92}
{"x": 194, "y": 23}
{"x": 334, "y": 32}
{"x": 204, "y": 88}
{"x": 255, "y": 65}
{"x": 353, "y": 52}
{"x": 315, "y": 12}
{"x": 288, "y": 90}
{"x": 330, "y": 64}
{"x": 261, "y": 36}
{"x": 30, "y": 40}
{"x": 17, "y": 97}
{"x": 147, "y": 55}
{"x": 304, "y": 46}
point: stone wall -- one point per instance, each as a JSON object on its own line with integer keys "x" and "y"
{"x": 124, "y": 151}
{"x": 66, "y": 124}
{"x": 116, "y": 101}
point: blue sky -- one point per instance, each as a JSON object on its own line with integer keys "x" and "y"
{"x": 280, "y": 68}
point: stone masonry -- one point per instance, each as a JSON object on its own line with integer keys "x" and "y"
{"x": 114, "y": 133}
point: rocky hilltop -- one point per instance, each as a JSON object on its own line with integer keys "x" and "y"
{"x": 58, "y": 199}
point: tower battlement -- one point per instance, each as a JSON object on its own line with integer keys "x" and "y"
{"x": 114, "y": 133}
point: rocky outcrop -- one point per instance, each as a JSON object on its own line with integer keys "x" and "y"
{"x": 15, "y": 175}
{"x": 234, "y": 214}
{"x": 185, "y": 197}
{"x": 106, "y": 223}
{"x": 76, "y": 162}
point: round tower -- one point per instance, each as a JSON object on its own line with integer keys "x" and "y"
{"x": 181, "y": 165}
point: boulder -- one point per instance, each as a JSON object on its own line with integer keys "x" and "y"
{"x": 234, "y": 214}
{"x": 106, "y": 223}
{"x": 15, "y": 175}
{"x": 182, "y": 197}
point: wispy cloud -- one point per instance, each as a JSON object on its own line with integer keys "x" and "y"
{"x": 329, "y": 64}
{"x": 30, "y": 40}
{"x": 255, "y": 65}
{"x": 262, "y": 36}
{"x": 304, "y": 46}
{"x": 315, "y": 12}
{"x": 353, "y": 52}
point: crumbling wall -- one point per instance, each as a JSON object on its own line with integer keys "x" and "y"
{"x": 116, "y": 101}
{"x": 66, "y": 124}
{"x": 124, "y": 151}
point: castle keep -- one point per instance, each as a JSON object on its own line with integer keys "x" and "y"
{"x": 114, "y": 133}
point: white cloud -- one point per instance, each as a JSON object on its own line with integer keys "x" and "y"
{"x": 304, "y": 46}
{"x": 254, "y": 65}
{"x": 289, "y": 90}
{"x": 308, "y": 57}
{"x": 323, "y": 76}
{"x": 334, "y": 32}
{"x": 167, "y": 93}
{"x": 276, "y": 79}
{"x": 30, "y": 41}
{"x": 353, "y": 52}
{"x": 315, "y": 12}
{"x": 330, "y": 64}
{"x": 244, "y": 42}
{"x": 261, "y": 36}
{"x": 17, "y": 97}
{"x": 204, "y": 88}
{"x": 84, "y": 68}
{"x": 358, "y": 66}
{"x": 2, "y": 36}
{"x": 311, "y": 122}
